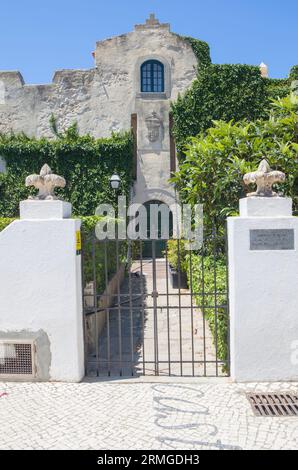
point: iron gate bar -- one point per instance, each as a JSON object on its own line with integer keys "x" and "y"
{"x": 130, "y": 306}
{"x": 93, "y": 312}
{"x": 107, "y": 310}
{"x": 105, "y": 361}
{"x": 211, "y": 293}
{"x": 143, "y": 310}
{"x": 203, "y": 311}
{"x": 118, "y": 301}
{"x": 179, "y": 300}
{"x": 168, "y": 311}
{"x": 95, "y": 304}
{"x": 128, "y": 363}
{"x": 160, "y": 294}
{"x": 227, "y": 299}
{"x": 155, "y": 307}
{"x": 215, "y": 294}
{"x": 191, "y": 307}
{"x": 84, "y": 309}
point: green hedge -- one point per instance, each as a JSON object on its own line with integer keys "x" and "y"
{"x": 277, "y": 88}
{"x": 85, "y": 162}
{"x": 218, "y": 319}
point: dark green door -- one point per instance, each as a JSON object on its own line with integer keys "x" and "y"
{"x": 160, "y": 245}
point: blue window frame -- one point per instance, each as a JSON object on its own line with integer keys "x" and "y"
{"x": 152, "y": 77}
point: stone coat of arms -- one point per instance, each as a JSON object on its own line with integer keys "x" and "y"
{"x": 154, "y": 126}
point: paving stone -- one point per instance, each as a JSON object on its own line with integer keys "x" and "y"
{"x": 106, "y": 415}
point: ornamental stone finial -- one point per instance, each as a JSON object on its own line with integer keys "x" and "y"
{"x": 264, "y": 70}
{"x": 152, "y": 23}
{"x": 45, "y": 182}
{"x": 264, "y": 178}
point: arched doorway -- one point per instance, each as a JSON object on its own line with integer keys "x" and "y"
{"x": 160, "y": 244}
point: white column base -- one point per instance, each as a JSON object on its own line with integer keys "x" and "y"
{"x": 41, "y": 293}
{"x": 263, "y": 284}
{"x": 265, "y": 207}
{"x": 35, "y": 209}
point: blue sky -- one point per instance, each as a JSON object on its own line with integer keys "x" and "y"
{"x": 38, "y": 37}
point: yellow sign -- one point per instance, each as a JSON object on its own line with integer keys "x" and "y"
{"x": 78, "y": 241}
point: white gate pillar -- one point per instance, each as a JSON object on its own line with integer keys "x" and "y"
{"x": 40, "y": 290}
{"x": 263, "y": 284}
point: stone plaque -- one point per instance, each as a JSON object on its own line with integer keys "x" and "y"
{"x": 272, "y": 239}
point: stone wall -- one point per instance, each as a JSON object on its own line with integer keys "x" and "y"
{"x": 100, "y": 99}
{"x": 103, "y": 99}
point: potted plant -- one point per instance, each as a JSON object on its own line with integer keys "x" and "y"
{"x": 176, "y": 264}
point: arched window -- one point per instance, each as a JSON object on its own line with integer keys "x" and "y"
{"x": 152, "y": 77}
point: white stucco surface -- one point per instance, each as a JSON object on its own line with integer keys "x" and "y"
{"x": 40, "y": 290}
{"x": 36, "y": 209}
{"x": 263, "y": 303}
{"x": 265, "y": 206}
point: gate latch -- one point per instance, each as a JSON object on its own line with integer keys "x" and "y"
{"x": 154, "y": 294}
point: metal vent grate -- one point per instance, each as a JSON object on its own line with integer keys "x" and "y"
{"x": 274, "y": 404}
{"x": 16, "y": 359}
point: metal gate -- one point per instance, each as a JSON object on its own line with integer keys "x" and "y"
{"x": 156, "y": 316}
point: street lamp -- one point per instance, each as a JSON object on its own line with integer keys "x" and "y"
{"x": 115, "y": 182}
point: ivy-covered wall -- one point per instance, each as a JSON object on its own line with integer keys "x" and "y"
{"x": 85, "y": 162}
{"x": 225, "y": 92}
{"x": 200, "y": 48}
{"x": 220, "y": 92}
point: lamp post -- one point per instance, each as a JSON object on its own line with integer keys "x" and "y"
{"x": 115, "y": 182}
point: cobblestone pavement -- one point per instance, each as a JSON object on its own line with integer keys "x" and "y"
{"x": 212, "y": 414}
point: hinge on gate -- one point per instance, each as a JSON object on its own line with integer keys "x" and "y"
{"x": 154, "y": 294}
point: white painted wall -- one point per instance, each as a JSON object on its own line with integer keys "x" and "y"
{"x": 40, "y": 289}
{"x": 263, "y": 301}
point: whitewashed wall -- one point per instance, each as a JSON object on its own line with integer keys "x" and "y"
{"x": 263, "y": 295}
{"x": 40, "y": 293}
